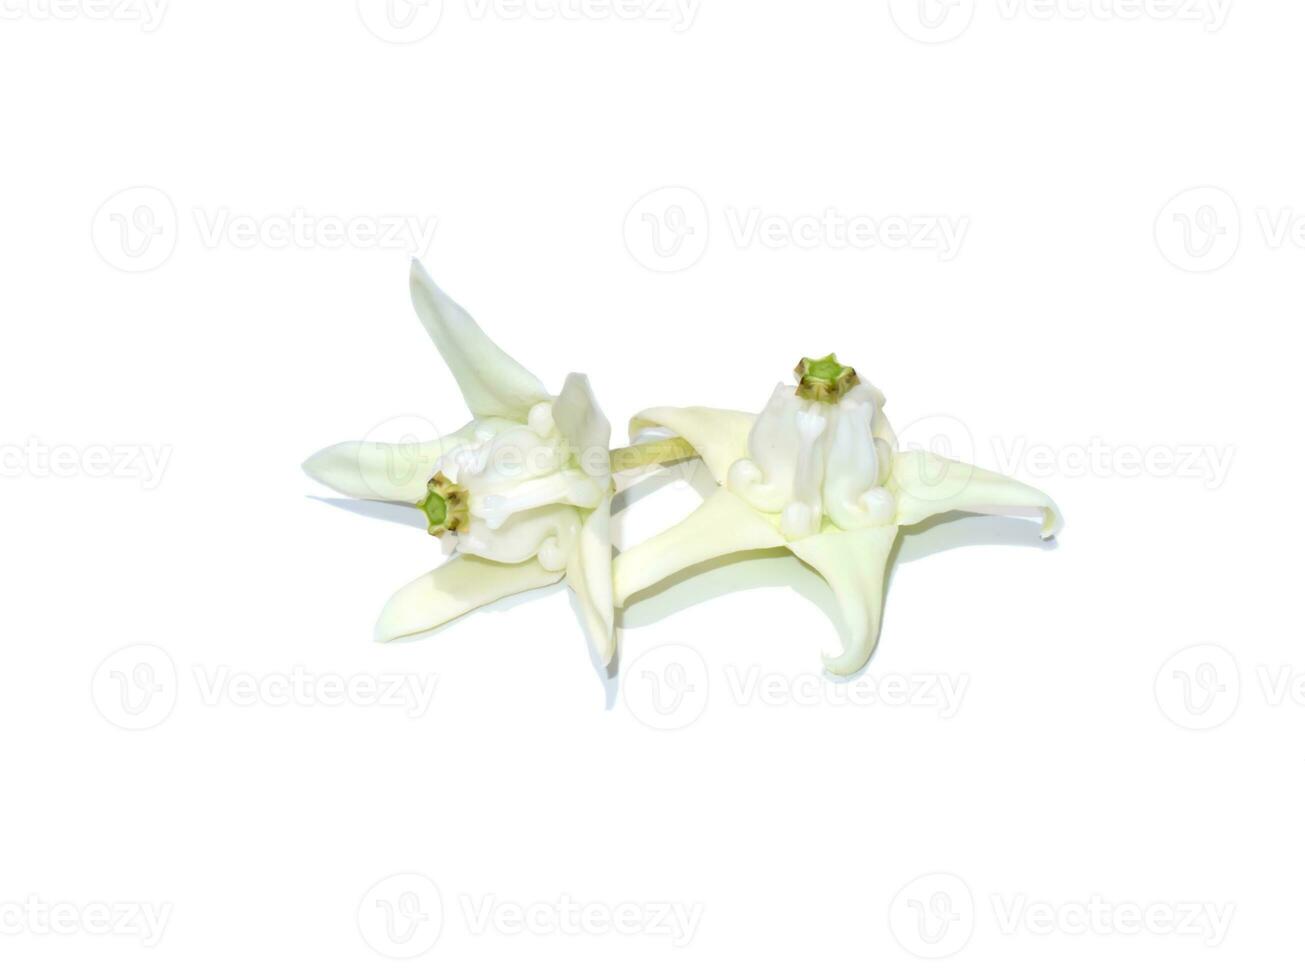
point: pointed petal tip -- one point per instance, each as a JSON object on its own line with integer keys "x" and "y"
{"x": 1053, "y": 521}
{"x": 385, "y": 629}
{"x": 321, "y": 464}
{"x": 845, "y": 665}
{"x": 492, "y": 383}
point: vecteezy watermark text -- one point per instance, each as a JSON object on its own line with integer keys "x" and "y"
{"x": 302, "y": 688}
{"x": 566, "y": 916}
{"x": 934, "y": 916}
{"x": 668, "y": 688}
{"x": 1098, "y": 916}
{"x": 35, "y": 916}
{"x": 409, "y": 21}
{"x": 139, "y": 228}
{"x": 669, "y": 230}
{"x": 1209, "y": 14}
{"x": 301, "y": 229}
{"x": 137, "y": 688}
{"x": 940, "y": 234}
{"x": 942, "y": 693}
{"x": 39, "y": 460}
{"x": 403, "y": 916}
{"x": 679, "y": 14}
{"x": 1099, "y": 459}
{"x": 147, "y": 13}
{"x": 939, "y": 21}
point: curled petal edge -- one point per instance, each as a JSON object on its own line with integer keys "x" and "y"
{"x": 855, "y": 564}
{"x": 926, "y": 485}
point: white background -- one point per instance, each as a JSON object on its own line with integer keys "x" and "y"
{"x": 1102, "y": 331}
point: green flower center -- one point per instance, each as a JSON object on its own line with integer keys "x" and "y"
{"x": 445, "y": 505}
{"x": 824, "y": 379}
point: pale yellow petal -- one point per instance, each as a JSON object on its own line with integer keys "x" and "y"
{"x": 583, "y": 426}
{"x": 926, "y": 485}
{"x": 590, "y": 576}
{"x": 720, "y": 435}
{"x": 855, "y": 564}
{"x": 723, "y": 525}
{"x": 492, "y": 383}
{"x": 396, "y": 471}
{"x": 458, "y": 586}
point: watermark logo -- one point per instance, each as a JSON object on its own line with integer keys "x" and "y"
{"x": 135, "y": 230}
{"x": 138, "y": 230}
{"x": 1199, "y": 688}
{"x": 667, "y": 230}
{"x": 401, "y": 21}
{"x": 933, "y": 916}
{"x": 931, "y": 447}
{"x": 402, "y": 916}
{"x": 932, "y": 21}
{"x": 400, "y": 451}
{"x": 1199, "y": 230}
{"x": 666, "y": 687}
{"x": 944, "y": 439}
{"x": 135, "y": 688}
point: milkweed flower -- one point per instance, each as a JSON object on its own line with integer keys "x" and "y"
{"x": 520, "y": 497}
{"x": 816, "y": 472}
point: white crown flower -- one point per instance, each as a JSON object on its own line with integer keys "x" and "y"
{"x": 521, "y": 495}
{"x": 818, "y": 473}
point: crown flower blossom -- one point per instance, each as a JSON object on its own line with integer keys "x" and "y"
{"x": 520, "y": 497}
{"x": 816, "y": 472}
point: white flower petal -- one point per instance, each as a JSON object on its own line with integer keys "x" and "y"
{"x": 492, "y": 383}
{"x": 456, "y": 587}
{"x": 854, "y": 564}
{"x": 523, "y": 535}
{"x": 586, "y": 430}
{"x": 383, "y": 470}
{"x": 719, "y": 435}
{"x": 590, "y": 575}
{"x": 926, "y": 485}
{"x": 723, "y": 525}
